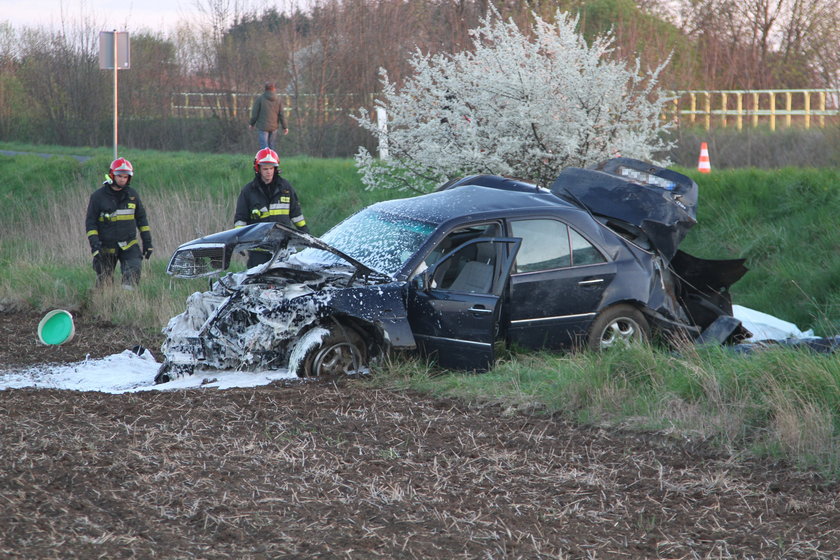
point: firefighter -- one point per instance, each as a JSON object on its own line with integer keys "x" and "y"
{"x": 268, "y": 198}
{"x": 114, "y": 215}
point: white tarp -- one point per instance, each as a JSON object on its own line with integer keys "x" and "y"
{"x": 767, "y": 327}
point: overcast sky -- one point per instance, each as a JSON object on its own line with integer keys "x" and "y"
{"x": 131, "y": 15}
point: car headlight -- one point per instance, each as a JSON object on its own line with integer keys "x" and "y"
{"x": 197, "y": 261}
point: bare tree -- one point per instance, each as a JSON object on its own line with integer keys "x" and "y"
{"x": 808, "y": 39}
{"x": 59, "y": 73}
{"x": 754, "y": 44}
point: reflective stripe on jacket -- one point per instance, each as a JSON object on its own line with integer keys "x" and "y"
{"x": 275, "y": 202}
{"x": 114, "y": 217}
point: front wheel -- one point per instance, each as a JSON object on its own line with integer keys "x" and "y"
{"x": 170, "y": 372}
{"x": 620, "y": 324}
{"x": 331, "y": 352}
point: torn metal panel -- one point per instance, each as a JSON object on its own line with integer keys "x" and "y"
{"x": 660, "y": 202}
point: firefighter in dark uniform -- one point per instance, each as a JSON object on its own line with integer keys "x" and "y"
{"x": 114, "y": 215}
{"x": 268, "y": 198}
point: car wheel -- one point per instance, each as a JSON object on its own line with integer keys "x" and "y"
{"x": 340, "y": 351}
{"x": 169, "y": 372}
{"x": 620, "y": 324}
{"x": 163, "y": 373}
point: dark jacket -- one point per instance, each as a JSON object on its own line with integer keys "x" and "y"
{"x": 275, "y": 202}
{"x": 113, "y": 218}
{"x": 267, "y": 112}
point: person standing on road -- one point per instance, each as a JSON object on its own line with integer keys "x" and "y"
{"x": 267, "y": 116}
{"x": 268, "y": 198}
{"x": 114, "y": 215}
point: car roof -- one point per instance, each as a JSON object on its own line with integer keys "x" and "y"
{"x": 471, "y": 201}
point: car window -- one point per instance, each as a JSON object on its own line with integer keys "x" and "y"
{"x": 470, "y": 269}
{"x": 380, "y": 241}
{"x": 545, "y": 245}
{"x": 459, "y": 236}
{"x": 583, "y": 252}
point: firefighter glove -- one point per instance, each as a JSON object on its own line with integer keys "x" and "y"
{"x": 147, "y": 252}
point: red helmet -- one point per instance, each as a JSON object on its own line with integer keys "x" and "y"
{"x": 266, "y": 156}
{"x": 121, "y": 166}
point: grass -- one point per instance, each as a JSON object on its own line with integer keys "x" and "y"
{"x": 777, "y": 402}
{"x": 783, "y": 223}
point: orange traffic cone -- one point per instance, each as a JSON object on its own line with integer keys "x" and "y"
{"x": 703, "y": 165}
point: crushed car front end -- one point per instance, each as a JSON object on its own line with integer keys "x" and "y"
{"x": 256, "y": 319}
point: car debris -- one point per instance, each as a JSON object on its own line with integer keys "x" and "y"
{"x": 590, "y": 262}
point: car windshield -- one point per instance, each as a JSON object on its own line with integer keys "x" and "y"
{"x": 380, "y": 241}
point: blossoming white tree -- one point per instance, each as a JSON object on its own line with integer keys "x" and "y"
{"x": 513, "y": 105}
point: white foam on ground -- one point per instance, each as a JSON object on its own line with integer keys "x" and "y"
{"x": 128, "y": 373}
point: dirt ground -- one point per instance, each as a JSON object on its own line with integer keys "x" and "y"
{"x": 349, "y": 471}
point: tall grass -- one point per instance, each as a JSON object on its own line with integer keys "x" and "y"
{"x": 44, "y": 252}
{"x": 784, "y": 223}
{"x": 761, "y": 147}
{"x": 777, "y": 402}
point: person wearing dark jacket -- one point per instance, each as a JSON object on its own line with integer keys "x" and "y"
{"x": 114, "y": 215}
{"x": 267, "y": 116}
{"x": 268, "y": 198}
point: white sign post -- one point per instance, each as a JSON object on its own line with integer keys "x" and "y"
{"x": 114, "y": 53}
{"x": 382, "y": 125}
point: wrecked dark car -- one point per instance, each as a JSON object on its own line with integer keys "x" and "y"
{"x": 455, "y": 274}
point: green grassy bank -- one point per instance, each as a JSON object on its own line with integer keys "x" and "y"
{"x": 781, "y": 402}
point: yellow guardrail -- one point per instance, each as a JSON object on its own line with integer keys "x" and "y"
{"x": 203, "y": 104}
{"x": 792, "y": 107}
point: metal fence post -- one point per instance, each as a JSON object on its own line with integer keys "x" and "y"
{"x": 807, "y": 107}
{"x": 693, "y": 107}
{"x": 822, "y": 109}
{"x": 788, "y": 105}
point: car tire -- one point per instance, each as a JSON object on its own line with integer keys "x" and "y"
{"x": 341, "y": 351}
{"x": 163, "y": 373}
{"x": 170, "y": 372}
{"x": 618, "y": 324}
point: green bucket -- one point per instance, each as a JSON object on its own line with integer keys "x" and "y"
{"x": 56, "y": 327}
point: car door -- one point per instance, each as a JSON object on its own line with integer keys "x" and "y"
{"x": 557, "y": 284}
{"x": 453, "y": 307}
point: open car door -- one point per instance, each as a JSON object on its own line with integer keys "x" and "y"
{"x": 454, "y": 306}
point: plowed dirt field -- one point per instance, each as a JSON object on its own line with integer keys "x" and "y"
{"x": 349, "y": 471}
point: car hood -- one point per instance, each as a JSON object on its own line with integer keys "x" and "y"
{"x": 211, "y": 254}
{"x": 660, "y": 202}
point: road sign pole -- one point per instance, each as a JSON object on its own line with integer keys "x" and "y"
{"x": 116, "y": 72}
{"x": 112, "y": 56}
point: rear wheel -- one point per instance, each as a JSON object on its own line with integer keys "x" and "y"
{"x": 340, "y": 351}
{"x": 620, "y": 324}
